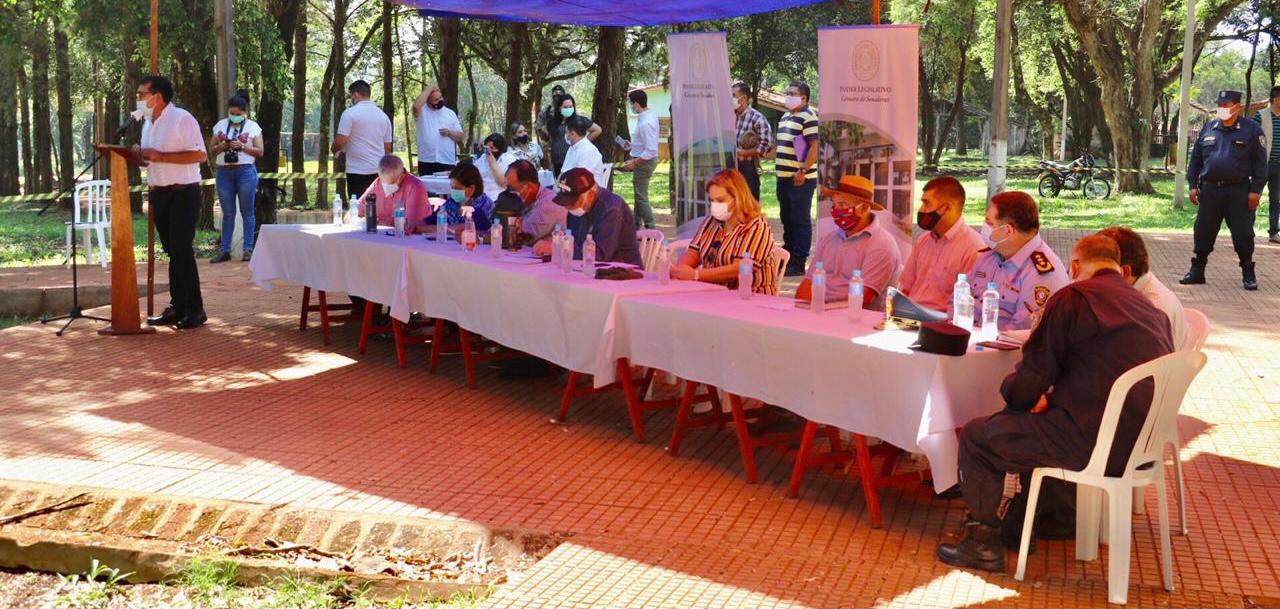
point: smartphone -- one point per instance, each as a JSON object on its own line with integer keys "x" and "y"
{"x": 617, "y": 139}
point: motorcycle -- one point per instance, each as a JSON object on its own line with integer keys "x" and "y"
{"x": 1056, "y": 177}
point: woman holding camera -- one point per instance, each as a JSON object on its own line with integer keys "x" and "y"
{"x": 236, "y": 145}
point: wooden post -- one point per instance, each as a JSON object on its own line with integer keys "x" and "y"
{"x": 151, "y": 219}
{"x": 124, "y": 273}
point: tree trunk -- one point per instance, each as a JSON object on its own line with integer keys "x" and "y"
{"x": 474, "y": 110}
{"x": 450, "y": 32}
{"x": 962, "y": 143}
{"x": 606, "y": 102}
{"x": 339, "y": 95}
{"x": 388, "y": 91}
{"x": 1248, "y": 73}
{"x": 41, "y": 118}
{"x": 63, "y": 86}
{"x": 926, "y": 119}
{"x": 297, "y": 143}
{"x": 409, "y": 140}
{"x": 9, "y": 163}
{"x": 271, "y": 111}
{"x": 517, "y": 106}
{"x": 24, "y": 112}
{"x": 326, "y": 104}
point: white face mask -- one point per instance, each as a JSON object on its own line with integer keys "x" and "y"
{"x": 389, "y": 187}
{"x": 579, "y": 212}
{"x": 794, "y": 101}
{"x": 720, "y": 210}
{"x": 1224, "y": 113}
{"x": 986, "y": 236}
{"x": 144, "y": 109}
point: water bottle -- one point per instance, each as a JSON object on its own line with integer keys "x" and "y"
{"x": 370, "y": 214}
{"x": 469, "y": 234}
{"x": 353, "y": 207}
{"x": 962, "y": 303}
{"x": 990, "y": 313}
{"x": 399, "y": 220}
{"x": 495, "y": 239}
{"x": 442, "y": 225}
{"x": 566, "y": 251}
{"x": 589, "y": 257}
{"x": 664, "y": 264}
{"x": 746, "y": 273}
{"x": 818, "y": 289}
{"x": 557, "y": 245}
{"x": 856, "y": 288}
{"x": 337, "y": 210}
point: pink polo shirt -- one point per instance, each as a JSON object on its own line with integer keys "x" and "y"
{"x": 930, "y": 272}
{"x": 414, "y": 196}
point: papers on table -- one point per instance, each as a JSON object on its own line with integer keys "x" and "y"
{"x": 523, "y": 257}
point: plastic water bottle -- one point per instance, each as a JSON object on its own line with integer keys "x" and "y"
{"x": 818, "y": 289}
{"x": 566, "y": 251}
{"x": 557, "y": 246}
{"x": 495, "y": 239}
{"x": 962, "y": 303}
{"x": 746, "y": 273}
{"x": 469, "y": 234}
{"x": 856, "y": 288}
{"x": 589, "y": 257}
{"x": 442, "y": 225}
{"x": 990, "y": 313}
{"x": 337, "y": 210}
{"x": 664, "y": 264}
{"x": 354, "y": 207}
{"x": 399, "y": 220}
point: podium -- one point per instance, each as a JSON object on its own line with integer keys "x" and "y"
{"x": 125, "y": 316}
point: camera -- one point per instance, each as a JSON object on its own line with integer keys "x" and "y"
{"x": 231, "y": 157}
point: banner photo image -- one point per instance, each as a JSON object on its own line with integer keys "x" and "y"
{"x": 702, "y": 119}
{"x": 868, "y": 77}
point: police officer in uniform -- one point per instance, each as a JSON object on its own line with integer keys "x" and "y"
{"x": 1025, "y": 270}
{"x": 1092, "y": 331}
{"x": 1227, "y": 171}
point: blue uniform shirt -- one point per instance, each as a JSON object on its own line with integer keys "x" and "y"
{"x": 1025, "y": 281}
{"x": 1229, "y": 154}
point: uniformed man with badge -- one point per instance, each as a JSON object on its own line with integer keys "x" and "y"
{"x": 1227, "y": 171}
{"x": 1023, "y": 267}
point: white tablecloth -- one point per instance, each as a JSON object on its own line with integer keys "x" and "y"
{"x": 566, "y": 319}
{"x": 819, "y": 366}
{"x": 330, "y": 258}
{"x": 436, "y": 185}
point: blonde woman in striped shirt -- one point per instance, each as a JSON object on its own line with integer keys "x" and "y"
{"x": 735, "y": 227}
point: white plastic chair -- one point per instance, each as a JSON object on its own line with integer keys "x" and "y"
{"x": 95, "y": 198}
{"x": 1197, "y": 334}
{"x": 603, "y": 178}
{"x": 650, "y": 241}
{"x": 677, "y": 248}
{"x": 781, "y": 257}
{"x": 1171, "y": 375}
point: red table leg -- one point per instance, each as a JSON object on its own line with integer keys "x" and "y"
{"x": 745, "y": 444}
{"x": 306, "y": 307}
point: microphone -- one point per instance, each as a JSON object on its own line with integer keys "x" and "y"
{"x": 133, "y": 117}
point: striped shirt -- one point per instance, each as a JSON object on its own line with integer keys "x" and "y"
{"x": 716, "y": 248}
{"x": 797, "y": 134}
{"x": 751, "y": 120}
{"x": 1275, "y": 130}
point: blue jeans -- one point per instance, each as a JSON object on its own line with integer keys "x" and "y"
{"x": 238, "y": 183}
{"x": 1273, "y": 197}
{"x": 795, "y": 205}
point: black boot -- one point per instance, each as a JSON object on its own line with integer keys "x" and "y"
{"x": 1196, "y": 274}
{"x": 980, "y": 548}
{"x": 1248, "y": 278}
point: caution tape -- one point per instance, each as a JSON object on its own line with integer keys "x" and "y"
{"x": 1157, "y": 170}
{"x": 47, "y": 196}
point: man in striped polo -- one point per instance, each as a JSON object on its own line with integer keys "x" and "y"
{"x": 797, "y": 167}
{"x": 1269, "y": 118}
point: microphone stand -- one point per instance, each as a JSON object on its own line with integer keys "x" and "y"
{"x": 76, "y": 311}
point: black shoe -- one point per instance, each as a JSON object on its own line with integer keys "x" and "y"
{"x": 223, "y": 257}
{"x": 247, "y": 255}
{"x": 168, "y": 317}
{"x": 1248, "y": 278}
{"x": 192, "y": 321}
{"x": 794, "y": 270}
{"x": 1195, "y": 276}
{"x": 980, "y": 548}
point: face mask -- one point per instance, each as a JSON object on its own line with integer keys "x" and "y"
{"x": 522, "y": 139}
{"x": 438, "y": 105}
{"x": 1224, "y": 113}
{"x": 566, "y": 112}
{"x": 389, "y": 185}
{"x": 235, "y": 119}
{"x": 845, "y": 217}
{"x": 928, "y": 219}
{"x": 578, "y": 212}
{"x": 794, "y": 101}
{"x": 457, "y": 195}
{"x": 144, "y": 109}
{"x": 720, "y": 210}
{"x": 986, "y": 236}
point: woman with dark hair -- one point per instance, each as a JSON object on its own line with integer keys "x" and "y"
{"x": 493, "y": 163}
{"x": 559, "y": 139}
{"x": 236, "y": 147}
{"x": 466, "y": 190}
{"x": 524, "y": 148}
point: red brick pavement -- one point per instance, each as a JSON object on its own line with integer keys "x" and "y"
{"x": 250, "y": 409}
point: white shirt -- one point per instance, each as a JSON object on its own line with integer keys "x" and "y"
{"x": 174, "y": 131}
{"x": 645, "y": 144}
{"x": 368, "y": 129}
{"x": 433, "y": 147}
{"x": 1164, "y": 299}
{"x": 245, "y": 132}
{"x": 584, "y": 154}
{"x": 491, "y": 187}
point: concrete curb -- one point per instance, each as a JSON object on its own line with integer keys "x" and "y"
{"x": 34, "y": 302}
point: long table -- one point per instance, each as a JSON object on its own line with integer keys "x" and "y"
{"x": 819, "y": 366}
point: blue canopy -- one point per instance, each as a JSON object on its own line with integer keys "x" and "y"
{"x": 600, "y": 12}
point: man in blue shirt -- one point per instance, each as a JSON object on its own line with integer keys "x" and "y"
{"x": 595, "y": 211}
{"x": 1227, "y": 171}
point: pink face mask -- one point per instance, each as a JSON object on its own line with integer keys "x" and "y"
{"x": 845, "y": 217}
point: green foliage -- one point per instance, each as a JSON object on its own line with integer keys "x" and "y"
{"x": 93, "y": 589}
{"x": 209, "y": 580}
{"x": 296, "y": 591}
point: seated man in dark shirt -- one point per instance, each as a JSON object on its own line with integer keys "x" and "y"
{"x": 1092, "y": 331}
{"x": 596, "y": 211}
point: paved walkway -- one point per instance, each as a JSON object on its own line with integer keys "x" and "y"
{"x": 250, "y": 409}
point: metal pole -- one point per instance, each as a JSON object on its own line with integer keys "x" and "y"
{"x": 1184, "y": 107}
{"x": 998, "y": 149}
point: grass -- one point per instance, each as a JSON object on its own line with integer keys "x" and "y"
{"x": 29, "y": 239}
{"x": 93, "y": 589}
{"x": 209, "y": 580}
{"x": 9, "y": 321}
{"x": 1153, "y": 212}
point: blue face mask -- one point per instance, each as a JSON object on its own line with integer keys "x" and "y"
{"x": 457, "y": 195}
{"x": 235, "y": 119}
{"x": 566, "y": 112}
